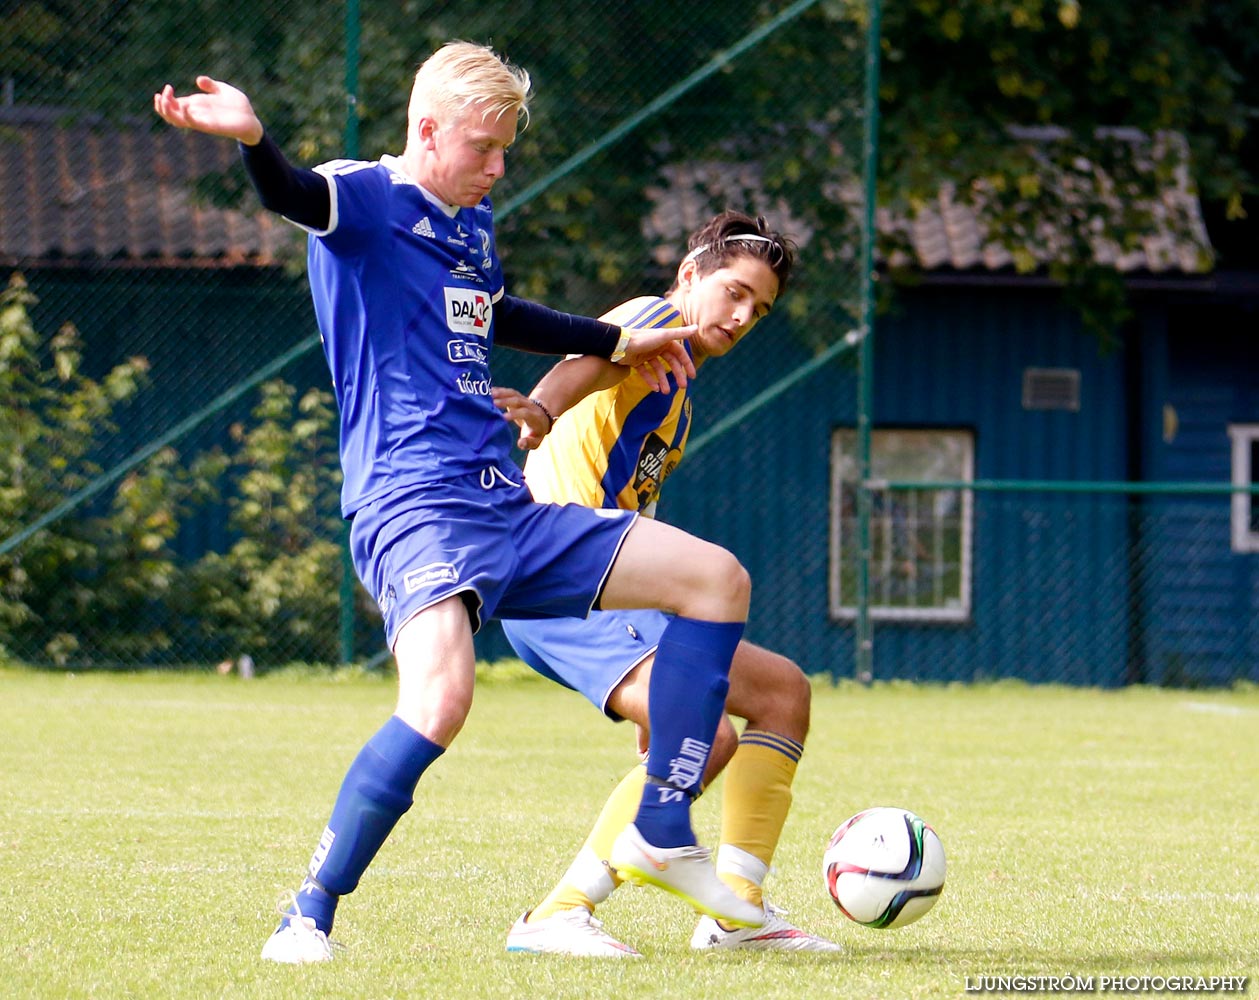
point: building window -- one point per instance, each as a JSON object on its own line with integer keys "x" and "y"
{"x": 920, "y": 538}
{"x": 1245, "y": 506}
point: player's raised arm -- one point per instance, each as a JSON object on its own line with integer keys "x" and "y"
{"x": 301, "y": 196}
{"x": 220, "y": 109}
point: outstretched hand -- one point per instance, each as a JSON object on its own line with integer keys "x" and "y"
{"x": 655, "y": 353}
{"x": 524, "y": 412}
{"x": 220, "y": 109}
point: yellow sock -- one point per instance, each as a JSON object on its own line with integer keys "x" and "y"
{"x": 588, "y": 880}
{"x": 755, "y": 801}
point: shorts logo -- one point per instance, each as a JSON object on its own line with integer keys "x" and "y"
{"x": 468, "y": 311}
{"x": 427, "y": 576}
{"x": 465, "y": 352}
{"x": 388, "y": 598}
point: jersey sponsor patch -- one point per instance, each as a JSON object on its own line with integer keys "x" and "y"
{"x": 468, "y": 311}
{"x": 463, "y": 271}
{"x": 471, "y": 384}
{"x": 466, "y": 352}
{"x": 655, "y": 461}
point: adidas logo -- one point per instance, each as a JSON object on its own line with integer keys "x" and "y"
{"x": 423, "y": 228}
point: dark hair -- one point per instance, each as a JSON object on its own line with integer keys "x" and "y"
{"x": 718, "y": 244}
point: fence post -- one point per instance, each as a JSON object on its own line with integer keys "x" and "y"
{"x": 864, "y": 653}
{"x": 351, "y": 151}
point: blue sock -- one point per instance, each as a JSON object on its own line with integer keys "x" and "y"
{"x": 376, "y": 791}
{"x": 689, "y": 681}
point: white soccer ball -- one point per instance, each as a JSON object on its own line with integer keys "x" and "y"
{"x": 884, "y": 867}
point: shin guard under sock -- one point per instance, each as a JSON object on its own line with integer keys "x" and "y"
{"x": 689, "y": 681}
{"x": 377, "y": 790}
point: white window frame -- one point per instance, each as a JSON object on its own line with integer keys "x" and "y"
{"x": 1244, "y": 438}
{"x": 960, "y": 467}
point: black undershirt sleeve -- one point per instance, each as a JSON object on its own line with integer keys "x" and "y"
{"x": 298, "y": 194}
{"x": 528, "y": 326}
{"x": 302, "y": 196}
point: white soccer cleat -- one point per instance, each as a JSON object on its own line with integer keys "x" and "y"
{"x": 776, "y": 934}
{"x": 297, "y": 940}
{"x": 568, "y": 932}
{"x": 687, "y": 872}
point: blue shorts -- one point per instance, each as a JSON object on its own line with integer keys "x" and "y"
{"x": 486, "y": 538}
{"x": 591, "y": 656}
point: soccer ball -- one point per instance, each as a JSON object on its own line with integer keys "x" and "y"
{"x": 884, "y": 867}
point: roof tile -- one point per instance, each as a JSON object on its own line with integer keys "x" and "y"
{"x": 91, "y": 189}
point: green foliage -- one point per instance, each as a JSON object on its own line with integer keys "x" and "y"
{"x": 105, "y": 585}
{"x": 68, "y": 585}
{"x": 274, "y": 594}
{"x": 138, "y": 570}
{"x": 1067, "y": 123}
{"x": 955, "y": 76}
{"x": 961, "y": 86}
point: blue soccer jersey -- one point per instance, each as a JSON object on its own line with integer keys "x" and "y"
{"x": 404, "y": 292}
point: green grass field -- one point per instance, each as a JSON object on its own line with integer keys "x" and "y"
{"x": 148, "y": 823}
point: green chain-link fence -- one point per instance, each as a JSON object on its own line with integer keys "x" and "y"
{"x": 169, "y": 481}
{"x": 1081, "y": 583}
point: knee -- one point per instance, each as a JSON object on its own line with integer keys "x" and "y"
{"x": 435, "y": 703}
{"x": 436, "y": 671}
{"x": 713, "y": 588}
{"x": 730, "y": 583}
{"x": 436, "y": 713}
{"x": 792, "y": 699}
{"x": 777, "y": 697}
{"x": 739, "y": 581}
{"x": 798, "y": 692}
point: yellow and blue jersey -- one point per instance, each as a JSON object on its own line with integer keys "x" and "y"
{"x": 616, "y": 447}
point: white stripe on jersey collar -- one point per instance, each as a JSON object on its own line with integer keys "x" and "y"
{"x": 742, "y": 237}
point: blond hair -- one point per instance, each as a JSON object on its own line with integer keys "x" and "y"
{"x": 462, "y": 74}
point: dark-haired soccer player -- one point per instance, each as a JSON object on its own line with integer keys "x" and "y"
{"x": 409, "y": 296}
{"x": 613, "y": 450}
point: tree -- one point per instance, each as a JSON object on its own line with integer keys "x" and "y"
{"x": 63, "y": 592}
{"x": 274, "y": 593}
{"x": 956, "y": 76}
{"x": 1074, "y": 119}
{"x": 1049, "y": 116}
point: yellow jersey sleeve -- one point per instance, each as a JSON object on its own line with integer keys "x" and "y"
{"x": 616, "y": 447}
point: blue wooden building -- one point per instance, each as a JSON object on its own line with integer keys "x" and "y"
{"x": 983, "y": 381}
{"x": 988, "y": 376}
